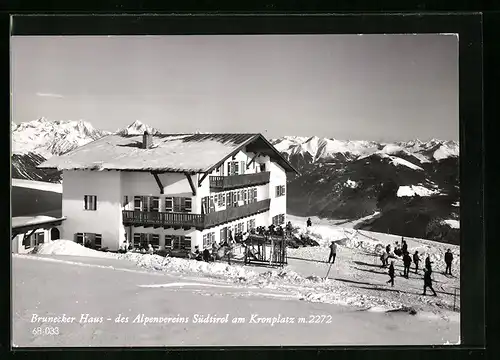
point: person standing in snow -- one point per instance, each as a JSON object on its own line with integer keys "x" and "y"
{"x": 428, "y": 263}
{"x": 416, "y": 260}
{"x": 206, "y": 255}
{"x": 289, "y": 229}
{"x": 388, "y": 248}
{"x": 404, "y": 247}
{"x": 406, "y": 263}
{"x": 309, "y": 222}
{"x": 448, "y": 259}
{"x": 333, "y": 252}
{"x": 428, "y": 281}
{"x": 150, "y": 249}
{"x": 391, "y": 274}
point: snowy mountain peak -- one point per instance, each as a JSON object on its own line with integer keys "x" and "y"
{"x": 48, "y": 138}
{"x": 137, "y": 128}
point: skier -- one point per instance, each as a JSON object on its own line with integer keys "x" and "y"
{"x": 309, "y": 222}
{"x": 448, "y": 259}
{"x": 289, "y": 229}
{"x": 404, "y": 247}
{"x": 391, "y": 274}
{"x": 428, "y": 262}
{"x": 416, "y": 260}
{"x": 428, "y": 281}
{"x": 333, "y": 252}
{"x": 406, "y": 263}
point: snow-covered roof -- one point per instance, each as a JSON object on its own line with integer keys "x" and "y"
{"x": 22, "y": 221}
{"x": 39, "y": 185}
{"x": 169, "y": 153}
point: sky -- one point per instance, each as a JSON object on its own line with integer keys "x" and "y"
{"x": 348, "y": 87}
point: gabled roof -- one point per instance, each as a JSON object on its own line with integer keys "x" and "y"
{"x": 190, "y": 153}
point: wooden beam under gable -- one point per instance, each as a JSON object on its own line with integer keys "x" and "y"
{"x": 193, "y": 188}
{"x": 253, "y": 159}
{"x": 158, "y": 181}
{"x": 202, "y": 178}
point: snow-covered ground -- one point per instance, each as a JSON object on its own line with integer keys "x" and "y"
{"x": 454, "y": 224}
{"x": 356, "y": 279}
{"x": 39, "y": 185}
{"x": 413, "y": 190}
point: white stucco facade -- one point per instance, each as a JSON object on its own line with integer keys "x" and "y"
{"x": 115, "y": 192}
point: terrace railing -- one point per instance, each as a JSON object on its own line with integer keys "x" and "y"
{"x": 235, "y": 213}
{"x": 161, "y": 219}
{"x": 198, "y": 221}
{"x": 239, "y": 181}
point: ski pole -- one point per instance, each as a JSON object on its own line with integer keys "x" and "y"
{"x": 328, "y": 270}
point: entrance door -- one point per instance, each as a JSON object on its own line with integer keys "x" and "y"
{"x": 55, "y": 234}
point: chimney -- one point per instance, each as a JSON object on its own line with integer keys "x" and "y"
{"x": 147, "y": 140}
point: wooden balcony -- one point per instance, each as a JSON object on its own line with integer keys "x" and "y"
{"x": 235, "y": 213}
{"x": 162, "y": 219}
{"x": 198, "y": 221}
{"x": 239, "y": 181}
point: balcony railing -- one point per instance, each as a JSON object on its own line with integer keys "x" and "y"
{"x": 153, "y": 218}
{"x": 235, "y": 213}
{"x": 239, "y": 181}
{"x": 198, "y": 221}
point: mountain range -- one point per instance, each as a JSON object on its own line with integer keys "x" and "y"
{"x": 412, "y": 186}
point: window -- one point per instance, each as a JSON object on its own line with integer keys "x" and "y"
{"x": 223, "y": 234}
{"x": 137, "y": 203}
{"x": 228, "y": 199}
{"x": 207, "y": 204}
{"x": 90, "y": 240}
{"x": 125, "y": 202}
{"x": 178, "y": 204}
{"x": 240, "y": 228}
{"x": 252, "y": 195}
{"x": 137, "y": 240}
{"x": 208, "y": 239}
{"x": 211, "y": 204}
{"x": 142, "y": 240}
{"x": 39, "y": 238}
{"x": 242, "y": 167}
{"x": 180, "y": 242}
{"x": 245, "y": 196}
{"x": 233, "y": 168}
{"x": 235, "y": 198}
{"x": 279, "y": 219}
{"x": 169, "y": 204}
{"x": 262, "y": 167}
{"x": 250, "y": 224}
{"x": 280, "y": 190}
{"x": 154, "y": 203}
{"x": 154, "y": 240}
{"x": 90, "y": 202}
